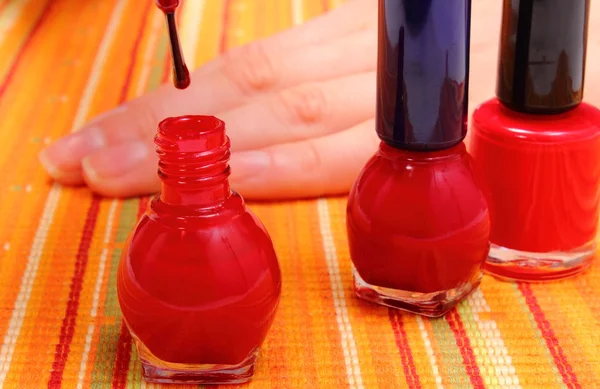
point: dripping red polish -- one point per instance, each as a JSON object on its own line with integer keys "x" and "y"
{"x": 181, "y": 74}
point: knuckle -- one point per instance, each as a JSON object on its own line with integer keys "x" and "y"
{"x": 145, "y": 118}
{"x": 253, "y": 68}
{"x": 311, "y": 161}
{"x": 307, "y": 104}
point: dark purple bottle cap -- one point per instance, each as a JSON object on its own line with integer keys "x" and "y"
{"x": 541, "y": 67}
{"x": 423, "y": 73}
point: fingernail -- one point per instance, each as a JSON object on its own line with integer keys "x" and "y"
{"x": 66, "y": 153}
{"x": 248, "y": 164}
{"x": 115, "y": 161}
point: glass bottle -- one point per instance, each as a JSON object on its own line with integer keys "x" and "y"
{"x": 198, "y": 282}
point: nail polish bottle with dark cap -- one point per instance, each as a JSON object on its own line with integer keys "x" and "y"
{"x": 417, "y": 220}
{"x": 537, "y": 145}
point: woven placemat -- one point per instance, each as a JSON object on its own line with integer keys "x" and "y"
{"x": 60, "y": 325}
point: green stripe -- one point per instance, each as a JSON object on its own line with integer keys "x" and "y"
{"x": 102, "y": 374}
{"x": 488, "y": 373}
{"x": 106, "y": 351}
{"x": 452, "y": 362}
{"x": 158, "y": 63}
{"x": 134, "y": 375}
{"x": 538, "y": 335}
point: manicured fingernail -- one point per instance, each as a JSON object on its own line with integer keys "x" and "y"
{"x": 248, "y": 164}
{"x": 66, "y": 153}
{"x": 115, "y": 161}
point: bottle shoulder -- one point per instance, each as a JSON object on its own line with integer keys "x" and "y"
{"x": 432, "y": 195}
{"x": 493, "y": 119}
{"x": 186, "y": 216}
{"x": 200, "y": 263}
{"x": 231, "y": 230}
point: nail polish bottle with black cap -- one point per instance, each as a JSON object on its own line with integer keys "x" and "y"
{"x": 417, "y": 220}
{"x": 537, "y": 146}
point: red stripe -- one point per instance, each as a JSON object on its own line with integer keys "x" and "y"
{"x": 124, "y": 344}
{"x": 560, "y": 360}
{"x": 226, "y": 21}
{"x": 123, "y": 356}
{"x": 408, "y": 363}
{"x": 68, "y": 324}
{"x": 34, "y": 30}
{"x": 464, "y": 345}
{"x": 134, "y": 52}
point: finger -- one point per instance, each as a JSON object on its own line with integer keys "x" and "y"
{"x": 307, "y": 111}
{"x": 62, "y": 159}
{"x": 207, "y": 95}
{"x": 122, "y": 170}
{"x": 126, "y": 166}
{"x": 258, "y": 68}
{"x": 315, "y": 167}
{"x": 350, "y": 17}
{"x": 321, "y": 166}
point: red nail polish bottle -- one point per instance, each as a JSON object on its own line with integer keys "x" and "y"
{"x": 417, "y": 221}
{"x": 198, "y": 281}
{"x": 538, "y": 146}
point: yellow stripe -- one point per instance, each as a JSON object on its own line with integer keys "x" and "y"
{"x": 211, "y": 25}
{"x": 529, "y": 354}
{"x": 377, "y": 333}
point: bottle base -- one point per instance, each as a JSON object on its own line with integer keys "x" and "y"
{"x": 514, "y": 265}
{"x": 155, "y": 370}
{"x": 435, "y": 304}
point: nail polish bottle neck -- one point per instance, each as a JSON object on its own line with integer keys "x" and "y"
{"x": 208, "y": 196}
{"x": 193, "y": 163}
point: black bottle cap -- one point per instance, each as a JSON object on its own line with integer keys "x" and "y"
{"x": 541, "y": 67}
{"x": 423, "y": 73}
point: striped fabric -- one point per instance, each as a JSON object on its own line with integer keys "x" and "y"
{"x": 63, "y": 61}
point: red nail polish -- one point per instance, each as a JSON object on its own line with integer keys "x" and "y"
{"x": 538, "y": 146}
{"x": 417, "y": 220}
{"x": 181, "y": 74}
{"x": 198, "y": 281}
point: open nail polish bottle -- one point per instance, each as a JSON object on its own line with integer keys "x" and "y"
{"x": 198, "y": 281}
{"x": 537, "y": 146}
{"x": 417, "y": 221}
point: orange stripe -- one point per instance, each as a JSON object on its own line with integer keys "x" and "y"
{"x": 124, "y": 343}
{"x": 23, "y": 160}
{"x": 49, "y": 294}
{"x": 224, "y": 41}
{"x": 36, "y": 27}
{"x": 68, "y": 324}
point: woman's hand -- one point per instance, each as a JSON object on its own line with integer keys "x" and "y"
{"x": 299, "y": 108}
